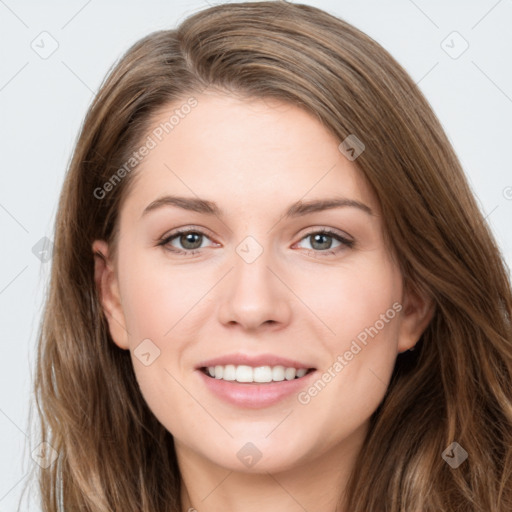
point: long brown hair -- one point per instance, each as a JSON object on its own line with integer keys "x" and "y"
{"x": 113, "y": 454}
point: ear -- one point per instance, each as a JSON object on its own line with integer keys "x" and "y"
{"x": 108, "y": 290}
{"x": 418, "y": 310}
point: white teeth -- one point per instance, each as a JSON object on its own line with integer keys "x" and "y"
{"x": 218, "y": 371}
{"x": 289, "y": 373}
{"x": 278, "y": 373}
{"x": 244, "y": 373}
{"x": 229, "y": 372}
{"x": 262, "y": 374}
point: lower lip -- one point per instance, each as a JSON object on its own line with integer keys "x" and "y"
{"x": 254, "y": 395}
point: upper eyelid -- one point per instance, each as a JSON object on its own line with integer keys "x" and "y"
{"x": 182, "y": 231}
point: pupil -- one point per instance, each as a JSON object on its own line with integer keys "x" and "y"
{"x": 326, "y": 245}
{"x": 189, "y": 239}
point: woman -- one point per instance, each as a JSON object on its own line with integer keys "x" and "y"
{"x": 368, "y": 370}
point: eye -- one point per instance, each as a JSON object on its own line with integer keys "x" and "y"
{"x": 321, "y": 241}
{"x": 190, "y": 241}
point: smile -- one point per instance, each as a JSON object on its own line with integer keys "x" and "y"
{"x": 248, "y": 392}
{"x": 258, "y": 374}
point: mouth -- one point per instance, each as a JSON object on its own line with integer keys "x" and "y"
{"x": 245, "y": 374}
{"x": 255, "y": 382}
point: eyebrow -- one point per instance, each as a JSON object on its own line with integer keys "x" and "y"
{"x": 296, "y": 209}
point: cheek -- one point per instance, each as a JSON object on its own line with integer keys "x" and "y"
{"x": 362, "y": 309}
{"x": 157, "y": 303}
{"x": 157, "y": 296}
{"x": 356, "y": 298}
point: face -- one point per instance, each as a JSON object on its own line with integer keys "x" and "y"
{"x": 248, "y": 273}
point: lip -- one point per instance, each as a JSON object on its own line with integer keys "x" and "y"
{"x": 256, "y": 360}
{"x": 254, "y": 395}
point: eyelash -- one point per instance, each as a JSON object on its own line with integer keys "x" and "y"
{"x": 166, "y": 240}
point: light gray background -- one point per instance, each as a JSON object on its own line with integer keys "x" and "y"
{"x": 43, "y": 102}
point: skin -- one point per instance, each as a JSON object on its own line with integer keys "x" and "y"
{"x": 297, "y": 300}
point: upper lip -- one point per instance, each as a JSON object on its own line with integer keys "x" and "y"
{"x": 254, "y": 360}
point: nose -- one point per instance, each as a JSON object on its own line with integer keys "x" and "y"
{"x": 254, "y": 294}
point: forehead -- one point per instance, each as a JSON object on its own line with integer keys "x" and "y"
{"x": 245, "y": 152}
